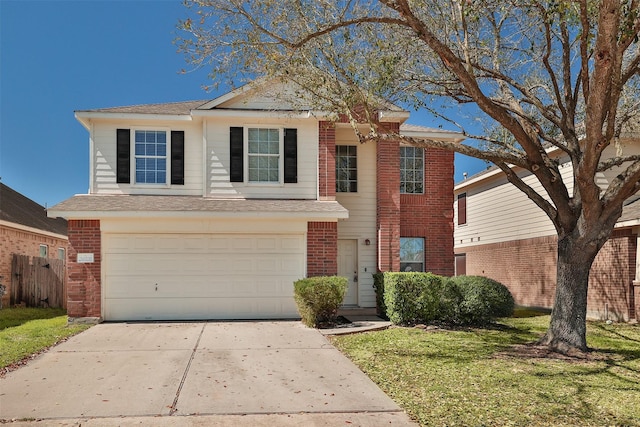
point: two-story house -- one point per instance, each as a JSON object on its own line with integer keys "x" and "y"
{"x": 502, "y": 234}
{"x": 212, "y": 209}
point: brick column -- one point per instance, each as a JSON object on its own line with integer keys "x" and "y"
{"x": 326, "y": 161}
{"x": 388, "y": 202}
{"x": 84, "y": 279}
{"x": 322, "y": 249}
{"x": 430, "y": 215}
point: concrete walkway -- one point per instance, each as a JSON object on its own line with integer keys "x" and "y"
{"x": 195, "y": 374}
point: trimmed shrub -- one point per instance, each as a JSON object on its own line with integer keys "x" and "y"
{"x": 483, "y": 299}
{"x": 412, "y": 298}
{"x": 318, "y": 298}
{"x": 378, "y": 286}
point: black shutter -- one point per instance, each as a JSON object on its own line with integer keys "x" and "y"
{"x": 236, "y": 155}
{"x": 123, "y": 156}
{"x": 290, "y": 155}
{"x": 177, "y": 157}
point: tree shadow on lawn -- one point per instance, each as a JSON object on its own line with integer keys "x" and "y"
{"x": 12, "y": 317}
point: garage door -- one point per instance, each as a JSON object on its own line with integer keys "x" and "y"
{"x": 181, "y": 276}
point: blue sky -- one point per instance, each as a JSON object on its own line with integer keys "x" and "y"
{"x": 59, "y": 56}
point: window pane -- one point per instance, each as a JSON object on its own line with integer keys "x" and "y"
{"x": 253, "y": 161}
{"x": 254, "y": 147}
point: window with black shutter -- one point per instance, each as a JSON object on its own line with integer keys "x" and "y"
{"x": 265, "y": 149}
{"x": 151, "y": 151}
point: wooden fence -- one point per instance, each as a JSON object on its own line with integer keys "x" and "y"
{"x": 38, "y": 282}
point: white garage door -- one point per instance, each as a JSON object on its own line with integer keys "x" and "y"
{"x": 180, "y": 277}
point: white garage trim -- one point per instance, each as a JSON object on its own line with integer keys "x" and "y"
{"x": 179, "y": 276}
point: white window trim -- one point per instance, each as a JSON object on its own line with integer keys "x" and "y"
{"x": 132, "y": 146}
{"x": 424, "y": 166}
{"x": 358, "y": 180}
{"x": 424, "y": 252}
{"x": 245, "y": 154}
{"x": 46, "y": 250}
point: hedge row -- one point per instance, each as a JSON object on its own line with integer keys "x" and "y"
{"x": 411, "y": 298}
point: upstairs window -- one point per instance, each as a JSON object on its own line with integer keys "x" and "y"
{"x": 411, "y": 254}
{"x": 263, "y": 155}
{"x": 346, "y": 169}
{"x": 411, "y": 170}
{"x": 44, "y": 251}
{"x": 151, "y": 156}
{"x": 263, "y": 149}
{"x": 462, "y": 208}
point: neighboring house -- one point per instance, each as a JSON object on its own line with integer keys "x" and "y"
{"x": 25, "y": 229}
{"x": 502, "y": 234}
{"x": 212, "y": 209}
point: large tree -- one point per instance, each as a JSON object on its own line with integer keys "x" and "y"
{"x": 547, "y": 77}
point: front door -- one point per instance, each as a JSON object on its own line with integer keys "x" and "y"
{"x": 348, "y": 267}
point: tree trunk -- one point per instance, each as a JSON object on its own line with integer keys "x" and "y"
{"x": 568, "y": 330}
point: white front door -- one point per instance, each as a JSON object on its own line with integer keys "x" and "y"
{"x": 348, "y": 267}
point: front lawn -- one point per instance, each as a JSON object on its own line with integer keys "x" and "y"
{"x": 491, "y": 377}
{"x": 28, "y": 331}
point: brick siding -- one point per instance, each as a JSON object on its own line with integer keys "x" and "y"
{"x": 430, "y": 215}
{"x": 327, "y": 161}
{"x": 528, "y": 268}
{"x": 22, "y": 242}
{"x": 388, "y": 203}
{"x": 84, "y": 282}
{"x": 322, "y": 249}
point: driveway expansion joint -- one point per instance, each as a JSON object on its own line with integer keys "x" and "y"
{"x": 174, "y": 407}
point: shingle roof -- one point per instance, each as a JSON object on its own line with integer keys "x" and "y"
{"x": 180, "y": 204}
{"x": 18, "y": 209}
{"x": 171, "y": 108}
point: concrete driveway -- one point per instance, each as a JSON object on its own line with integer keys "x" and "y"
{"x": 195, "y": 374}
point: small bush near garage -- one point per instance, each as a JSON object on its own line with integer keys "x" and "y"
{"x": 318, "y": 299}
{"x": 483, "y": 299}
{"x": 412, "y": 298}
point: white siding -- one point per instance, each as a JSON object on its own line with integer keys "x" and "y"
{"x": 361, "y": 224}
{"x": 104, "y": 158}
{"x": 218, "y": 163}
{"x": 497, "y": 211}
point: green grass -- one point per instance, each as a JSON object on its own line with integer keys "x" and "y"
{"x": 25, "y": 331}
{"x": 485, "y": 377}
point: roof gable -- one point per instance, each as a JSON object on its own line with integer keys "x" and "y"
{"x": 18, "y": 209}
